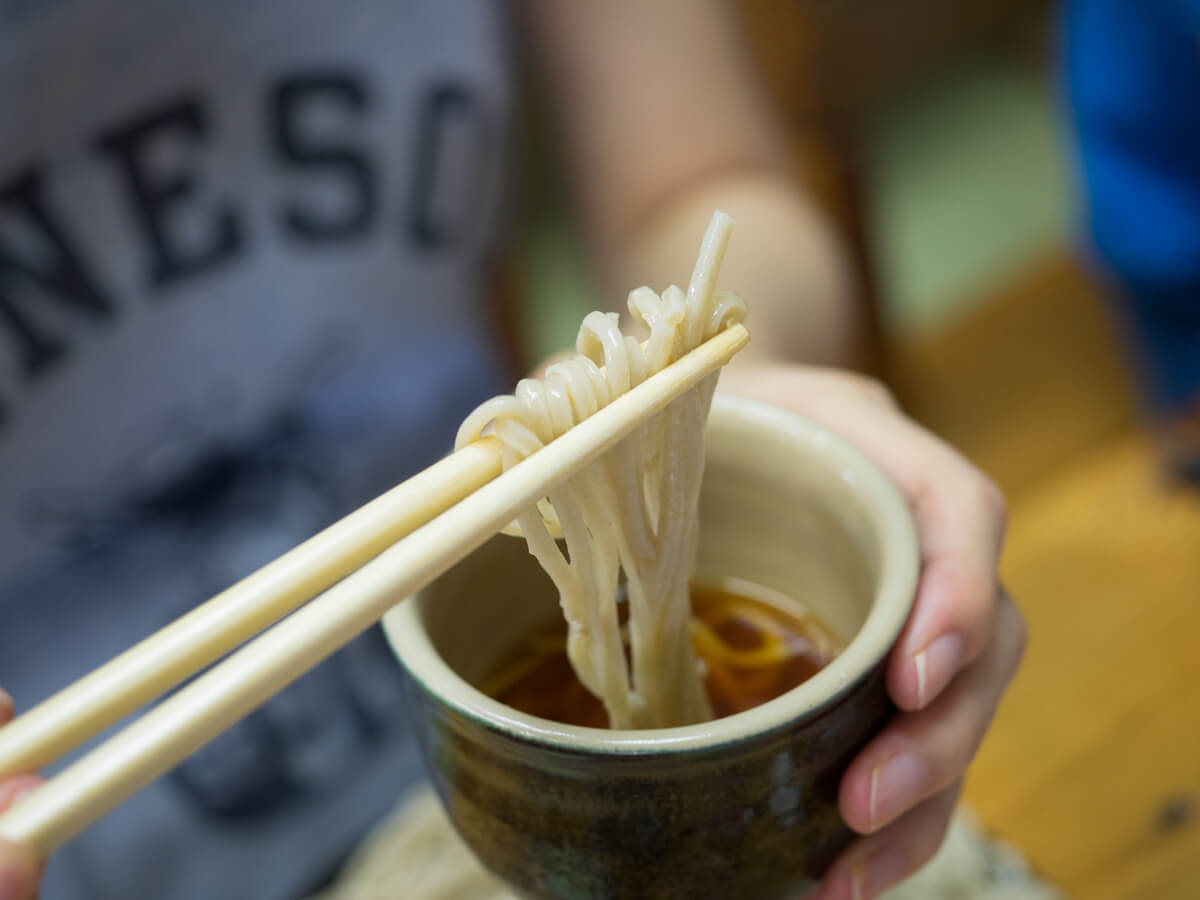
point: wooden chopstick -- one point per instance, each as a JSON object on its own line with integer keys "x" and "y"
{"x": 167, "y": 734}
{"x": 181, "y": 649}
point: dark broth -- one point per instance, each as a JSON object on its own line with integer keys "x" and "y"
{"x": 755, "y": 646}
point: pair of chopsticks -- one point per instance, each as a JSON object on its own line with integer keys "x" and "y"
{"x": 365, "y": 564}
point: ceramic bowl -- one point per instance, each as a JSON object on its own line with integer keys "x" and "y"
{"x": 744, "y": 806}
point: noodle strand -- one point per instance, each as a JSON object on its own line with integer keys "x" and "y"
{"x": 635, "y": 509}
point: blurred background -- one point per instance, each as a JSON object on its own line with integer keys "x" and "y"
{"x": 933, "y": 132}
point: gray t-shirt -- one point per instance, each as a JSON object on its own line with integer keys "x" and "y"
{"x": 243, "y": 252}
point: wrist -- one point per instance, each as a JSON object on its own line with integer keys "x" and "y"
{"x": 787, "y": 263}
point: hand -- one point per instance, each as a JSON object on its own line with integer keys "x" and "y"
{"x": 20, "y": 871}
{"x": 959, "y": 649}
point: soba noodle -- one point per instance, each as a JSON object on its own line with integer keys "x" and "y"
{"x": 633, "y": 510}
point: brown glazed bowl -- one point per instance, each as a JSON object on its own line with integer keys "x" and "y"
{"x": 742, "y": 807}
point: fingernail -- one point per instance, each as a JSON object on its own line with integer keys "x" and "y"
{"x": 883, "y": 868}
{"x": 936, "y": 665}
{"x": 894, "y": 786}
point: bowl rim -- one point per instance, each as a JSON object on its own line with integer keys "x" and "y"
{"x": 899, "y": 565}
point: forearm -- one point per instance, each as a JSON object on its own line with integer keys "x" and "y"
{"x": 661, "y": 120}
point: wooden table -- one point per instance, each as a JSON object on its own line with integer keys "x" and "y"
{"x": 1093, "y": 765}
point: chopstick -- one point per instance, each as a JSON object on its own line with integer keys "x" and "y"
{"x": 181, "y": 649}
{"x": 178, "y": 726}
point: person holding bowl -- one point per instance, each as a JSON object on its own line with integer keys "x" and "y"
{"x": 230, "y": 233}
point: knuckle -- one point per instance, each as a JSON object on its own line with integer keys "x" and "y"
{"x": 1020, "y": 636}
{"x": 959, "y": 745}
{"x": 873, "y": 389}
{"x": 935, "y": 836}
{"x": 992, "y": 499}
{"x": 882, "y": 394}
{"x": 960, "y": 754}
{"x": 932, "y": 824}
{"x": 974, "y": 591}
{"x": 986, "y": 623}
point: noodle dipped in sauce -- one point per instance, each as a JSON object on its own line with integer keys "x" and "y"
{"x": 633, "y": 511}
{"x": 754, "y": 645}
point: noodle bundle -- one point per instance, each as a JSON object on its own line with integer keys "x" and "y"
{"x": 635, "y": 509}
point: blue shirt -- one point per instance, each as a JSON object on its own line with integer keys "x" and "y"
{"x": 1132, "y": 71}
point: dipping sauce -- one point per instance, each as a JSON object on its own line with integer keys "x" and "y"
{"x": 754, "y": 644}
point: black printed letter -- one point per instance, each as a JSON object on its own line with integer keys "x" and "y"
{"x": 158, "y": 197}
{"x": 299, "y": 98}
{"x": 58, "y": 271}
{"x": 440, "y": 191}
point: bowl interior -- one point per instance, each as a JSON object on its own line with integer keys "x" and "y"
{"x": 784, "y": 504}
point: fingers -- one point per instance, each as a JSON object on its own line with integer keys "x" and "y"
{"x": 958, "y": 650}
{"x": 873, "y": 864}
{"x": 19, "y": 866}
{"x": 919, "y": 754}
{"x": 18, "y": 872}
{"x": 960, "y": 520}
{"x": 12, "y": 789}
